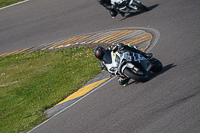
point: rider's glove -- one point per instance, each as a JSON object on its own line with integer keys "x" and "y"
{"x": 116, "y": 4}
{"x": 120, "y": 46}
{"x": 115, "y": 48}
{"x": 112, "y": 7}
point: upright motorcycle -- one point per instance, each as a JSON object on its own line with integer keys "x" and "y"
{"x": 131, "y": 65}
{"x": 129, "y": 6}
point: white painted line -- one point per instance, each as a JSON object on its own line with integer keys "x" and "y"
{"x": 73, "y": 103}
{"x": 14, "y": 4}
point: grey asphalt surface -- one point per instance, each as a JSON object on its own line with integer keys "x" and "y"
{"x": 167, "y": 103}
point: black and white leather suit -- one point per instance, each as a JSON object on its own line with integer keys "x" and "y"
{"x": 121, "y": 46}
{"x": 107, "y": 4}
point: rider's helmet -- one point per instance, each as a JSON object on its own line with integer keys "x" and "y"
{"x": 99, "y": 52}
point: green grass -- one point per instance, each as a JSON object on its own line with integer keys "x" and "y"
{"x": 32, "y": 82}
{"x": 4, "y": 3}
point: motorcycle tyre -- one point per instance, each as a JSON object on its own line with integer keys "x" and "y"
{"x": 136, "y": 77}
{"x": 157, "y": 65}
{"x": 140, "y": 6}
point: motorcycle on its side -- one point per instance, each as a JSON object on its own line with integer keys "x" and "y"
{"x": 129, "y": 6}
{"x": 130, "y": 65}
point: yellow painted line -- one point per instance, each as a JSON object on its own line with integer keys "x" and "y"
{"x": 15, "y": 52}
{"x": 122, "y": 33}
{"x": 69, "y": 41}
{"x": 143, "y": 49}
{"x": 84, "y": 90}
{"x": 114, "y": 36}
{"x": 139, "y": 39}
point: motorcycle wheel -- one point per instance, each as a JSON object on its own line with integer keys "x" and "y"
{"x": 157, "y": 65}
{"x": 142, "y": 78}
{"x": 140, "y": 6}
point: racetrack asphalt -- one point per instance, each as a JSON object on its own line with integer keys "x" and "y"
{"x": 168, "y": 102}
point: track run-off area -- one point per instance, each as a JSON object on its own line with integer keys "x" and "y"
{"x": 168, "y": 102}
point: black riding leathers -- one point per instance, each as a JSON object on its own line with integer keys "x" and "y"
{"x": 107, "y": 4}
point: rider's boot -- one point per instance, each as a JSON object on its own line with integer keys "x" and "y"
{"x": 125, "y": 84}
{"x": 123, "y": 80}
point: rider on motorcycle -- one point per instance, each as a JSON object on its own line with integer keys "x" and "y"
{"x": 112, "y": 8}
{"x": 100, "y": 51}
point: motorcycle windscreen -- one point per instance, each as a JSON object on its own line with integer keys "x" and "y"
{"x": 107, "y": 57}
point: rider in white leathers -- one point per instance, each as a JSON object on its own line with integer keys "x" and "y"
{"x": 100, "y": 51}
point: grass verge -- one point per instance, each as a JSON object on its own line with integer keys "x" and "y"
{"x": 4, "y": 3}
{"x": 32, "y": 82}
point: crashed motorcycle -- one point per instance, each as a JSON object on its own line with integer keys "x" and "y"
{"x": 129, "y": 6}
{"x": 130, "y": 65}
